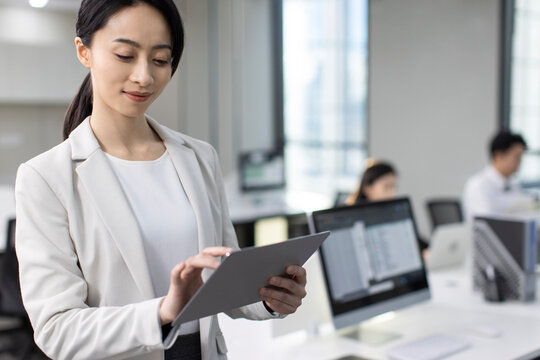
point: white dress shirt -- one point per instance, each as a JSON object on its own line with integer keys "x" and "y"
{"x": 165, "y": 217}
{"x": 490, "y": 193}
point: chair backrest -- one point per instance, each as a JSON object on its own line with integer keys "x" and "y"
{"x": 444, "y": 211}
{"x": 340, "y": 198}
{"x": 11, "y": 299}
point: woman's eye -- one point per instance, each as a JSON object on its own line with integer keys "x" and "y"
{"x": 124, "y": 57}
{"x": 161, "y": 61}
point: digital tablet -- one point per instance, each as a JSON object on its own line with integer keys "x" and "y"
{"x": 236, "y": 282}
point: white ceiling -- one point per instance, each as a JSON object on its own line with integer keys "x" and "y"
{"x": 66, "y": 5}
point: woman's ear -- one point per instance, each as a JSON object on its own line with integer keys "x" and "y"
{"x": 83, "y": 52}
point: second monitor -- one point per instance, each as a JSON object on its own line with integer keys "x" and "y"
{"x": 372, "y": 262}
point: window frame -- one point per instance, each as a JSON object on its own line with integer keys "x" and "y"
{"x": 508, "y": 13}
{"x": 506, "y": 43}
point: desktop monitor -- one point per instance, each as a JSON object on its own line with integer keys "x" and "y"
{"x": 262, "y": 170}
{"x": 371, "y": 262}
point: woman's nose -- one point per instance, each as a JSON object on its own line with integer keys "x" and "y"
{"x": 142, "y": 74}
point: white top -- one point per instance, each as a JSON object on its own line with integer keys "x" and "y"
{"x": 490, "y": 193}
{"x": 165, "y": 217}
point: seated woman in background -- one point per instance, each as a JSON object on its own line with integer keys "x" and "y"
{"x": 379, "y": 182}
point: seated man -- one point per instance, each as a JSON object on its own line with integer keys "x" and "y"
{"x": 492, "y": 191}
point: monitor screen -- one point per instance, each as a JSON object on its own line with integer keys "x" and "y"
{"x": 262, "y": 170}
{"x": 372, "y": 262}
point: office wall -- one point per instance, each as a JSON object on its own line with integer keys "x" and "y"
{"x": 434, "y": 74}
{"x": 223, "y": 90}
{"x": 39, "y": 73}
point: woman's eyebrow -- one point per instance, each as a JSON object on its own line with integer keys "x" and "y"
{"x": 137, "y": 45}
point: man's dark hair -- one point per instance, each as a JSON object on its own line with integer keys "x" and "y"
{"x": 504, "y": 141}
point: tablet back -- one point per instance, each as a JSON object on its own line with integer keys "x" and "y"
{"x": 237, "y": 281}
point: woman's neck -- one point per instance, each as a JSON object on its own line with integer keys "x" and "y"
{"x": 125, "y": 137}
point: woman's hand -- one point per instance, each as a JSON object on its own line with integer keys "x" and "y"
{"x": 186, "y": 280}
{"x": 284, "y": 294}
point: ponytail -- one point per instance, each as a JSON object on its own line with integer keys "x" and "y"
{"x": 80, "y": 107}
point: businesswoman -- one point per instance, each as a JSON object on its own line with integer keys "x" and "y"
{"x": 378, "y": 182}
{"x": 119, "y": 225}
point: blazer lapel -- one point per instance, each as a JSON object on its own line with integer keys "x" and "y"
{"x": 189, "y": 171}
{"x": 101, "y": 184}
{"x": 188, "y": 168}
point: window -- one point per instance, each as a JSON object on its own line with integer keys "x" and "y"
{"x": 524, "y": 81}
{"x": 325, "y": 45}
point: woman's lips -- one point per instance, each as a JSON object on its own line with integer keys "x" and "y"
{"x": 137, "y": 96}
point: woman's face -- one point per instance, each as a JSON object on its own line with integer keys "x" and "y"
{"x": 130, "y": 61}
{"x": 384, "y": 188}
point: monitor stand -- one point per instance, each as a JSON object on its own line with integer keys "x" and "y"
{"x": 369, "y": 335}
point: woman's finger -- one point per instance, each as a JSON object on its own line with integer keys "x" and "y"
{"x": 298, "y": 273}
{"x": 217, "y": 251}
{"x": 290, "y": 285}
{"x": 176, "y": 271}
{"x": 273, "y": 295}
{"x": 281, "y": 307}
{"x": 195, "y": 264}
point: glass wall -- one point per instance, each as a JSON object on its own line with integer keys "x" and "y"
{"x": 524, "y": 111}
{"x": 325, "y": 54}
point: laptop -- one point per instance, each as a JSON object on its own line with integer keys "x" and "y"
{"x": 449, "y": 245}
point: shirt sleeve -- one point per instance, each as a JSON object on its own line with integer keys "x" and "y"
{"x": 476, "y": 200}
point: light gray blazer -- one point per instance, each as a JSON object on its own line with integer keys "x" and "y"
{"x": 84, "y": 277}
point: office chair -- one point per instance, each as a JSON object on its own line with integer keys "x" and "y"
{"x": 444, "y": 211}
{"x": 20, "y": 342}
{"x": 297, "y": 225}
{"x": 340, "y": 198}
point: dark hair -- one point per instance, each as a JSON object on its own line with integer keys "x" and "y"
{"x": 504, "y": 141}
{"x": 93, "y": 15}
{"x": 370, "y": 176}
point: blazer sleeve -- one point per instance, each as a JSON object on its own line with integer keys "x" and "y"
{"x": 256, "y": 311}
{"x": 54, "y": 290}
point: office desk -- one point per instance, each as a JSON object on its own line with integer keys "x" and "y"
{"x": 454, "y": 310}
{"x": 247, "y": 208}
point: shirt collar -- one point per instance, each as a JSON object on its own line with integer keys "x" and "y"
{"x": 495, "y": 176}
{"x": 84, "y": 142}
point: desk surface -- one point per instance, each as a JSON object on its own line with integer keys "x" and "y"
{"x": 454, "y": 310}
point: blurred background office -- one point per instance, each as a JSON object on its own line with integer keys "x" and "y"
{"x": 422, "y": 84}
